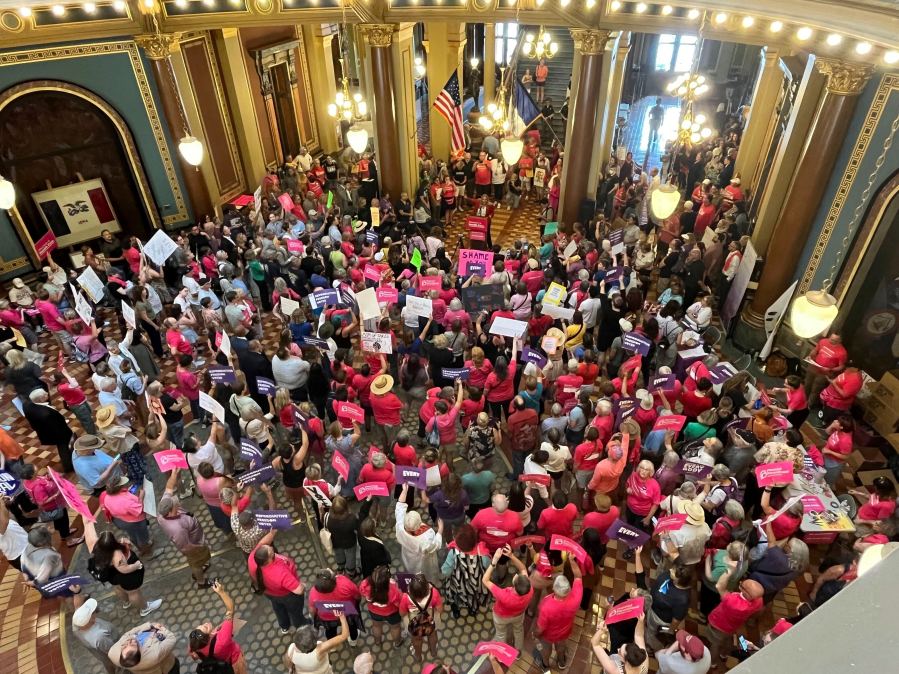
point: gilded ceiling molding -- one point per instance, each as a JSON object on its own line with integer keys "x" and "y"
{"x": 158, "y": 46}
{"x": 377, "y": 34}
{"x": 589, "y": 42}
{"x": 844, "y": 78}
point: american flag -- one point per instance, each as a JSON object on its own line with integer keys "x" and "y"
{"x": 449, "y": 105}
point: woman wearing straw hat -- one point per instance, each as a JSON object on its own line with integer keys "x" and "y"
{"x": 387, "y": 408}
{"x": 122, "y": 442}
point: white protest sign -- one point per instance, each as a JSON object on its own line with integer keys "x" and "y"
{"x": 565, "y": 313}
{"x": 367, "y": 300}
{"x": 149, "y": 497}
{"x": 128, "y": 315}
{"x": 508, "y": 327}
{"x": 83, "y": 309}
{"x": 210, "y": 404}
{"x": 225, "y": 344}
{"x": 376, "y": 342}
{"x": 160, "y": 247}
{"x": 92, "y": 284}
{"x": 420, "y": 306}
{"x": 570, "y": 249}
{"x": 288, "y": 306}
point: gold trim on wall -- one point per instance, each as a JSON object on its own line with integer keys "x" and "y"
{"x": 130, "y": 48}
{"x": 889, "y": 84}
{"x": 316, "y": 144}
{"x": 226, "y": 192}
{"x": 12, "y": 265}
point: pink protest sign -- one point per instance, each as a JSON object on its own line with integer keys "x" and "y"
{"x": 565, "y": 544}
{"x": 429, "y": 282}
{"x": 285, "y": 201}
{"x": 387, "y": 295}
{"x": 351, "y": 411}
{"x": 670, "y": 523}
{"x": 371, "y": 272}
{"x": 368, "y": 489}
{"x": 670, "y": 422}
{"x": 536, "y": 541}
{"x": 340, "y": 465}
{"x": 537, "y": 478}
{"x": 71, "y": 495}
{"x": 626, "y": 610}
{"x": 45, "y": 245}
{"x": 769, "y": 474}
{"x": 467, "y": 255}
{"x": 812, "y": 503}
{"x": 505, "y": 653}
{"x": 168, "y": 459}
{"x": 294, "y": 245}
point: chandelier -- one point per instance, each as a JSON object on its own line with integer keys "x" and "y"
{"x": 499, "y": 120}
{"x": 539, "y": 47}
{"x": 689, "y": 87}
{"x": 350, "y": 108}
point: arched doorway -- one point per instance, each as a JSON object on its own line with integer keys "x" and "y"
{"x": 55, "y": 133}
{"x": 869, "y": 286}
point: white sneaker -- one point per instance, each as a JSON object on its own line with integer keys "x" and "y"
{"x": 150, "y": 607}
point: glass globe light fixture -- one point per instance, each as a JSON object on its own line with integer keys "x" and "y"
{"x": 191, "y": 149}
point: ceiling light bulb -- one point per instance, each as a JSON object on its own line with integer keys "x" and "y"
{"x": 891, "y": 57}
{"x": 25, "y": 12}
{"x": 748, "y": 22}
{"x": 58, "y": 10}
{"x": 615, "y": 6}
{"x": 181, "y": 4}
{"x": 119, "y": 5}
{"x": 89, "y": 7}
{"x": 804, "y": 33}
{"x": 693, "y": 14}
{"x": 148, "y": 4}
{"x": 863, "y": 48}
{"x": 641, "y": 7}
{"x": 564, "y": 3}
{"x": 721, "y": 17}
{"x": 590, "y": 4}
{"x": 209, "y": 3}
{"x": 667, "y": 9}
{"x": 834, "y": 39}
{"x": 776, "y": 26}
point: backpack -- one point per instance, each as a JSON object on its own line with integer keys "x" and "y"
{"x": 733, "y": 491}
{"x": 209, "y": 664}
{"x": 422, "y": 625}
{"x": 99, "y": 575}
{"x": 433, "y": 436}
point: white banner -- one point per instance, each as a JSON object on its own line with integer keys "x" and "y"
{"x": 377, "y": 342}
{"x": 210, "y": 404}
{"x": 420, "y": 306}
{"x": 508, "y": 327}
{"x": 92, "y": 284}
{"x": 738, "y": 287}
{"x": 773, "y": 317}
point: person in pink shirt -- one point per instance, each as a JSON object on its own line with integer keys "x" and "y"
{"x": 499, "y": 387}
{"x": 456, "y": 311}
{"x": 189, "y": 384}
{"x": 586, "y": 457}
{"x": 479, "y": 368}
{"x": 838, "y": 447}
{"x": 600, "y": 519}
{"x": 826, "y": 360}
{"x": 559, "y": 517}
{"x": 386, "y": 407}
{"x": 472, "y": 406}
{"x": 178, "y": 344}
{"x": 125, "y": 508}
{"x": 555, "y": 619}
{"x": 839, "y": 396}
{"x": 497, "y": 525}
{"x": 445, "y": 419}
{"x": 533, "y": 278}
{"x": 208, "y": 640}
{"x": 568, "y": 385}
{"x": 438, "y": 307}
{"x": 643, "y": 496}
{"x": 796, "y": 410}
{"x": 54, "y": 321}
{"x": 383, "y": 597}
{"x": 362, "y": 383}
{"x": 330, "y": 586}
{"x": 15, "y": 318}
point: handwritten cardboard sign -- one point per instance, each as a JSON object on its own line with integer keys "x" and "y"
{"x": 265, "y": 386}
{"x": 483, "y": 258}
{"x": 420, "y": 306}
{"x": 670, "y": 422}
{"x": 369, "y": 489}
{"x": 503, "y": 652}
{"x": 565, "y": 544}
{"x": 273, "y": 519}
{"x": 768, "y": 474}
{"x": 410, "y": 475}
{"x": 670, "y": 523}
{"x": 554, "y": 294}
{"x": 626, "y": 610}
{"x": 167, "y": 459}
{"x": 377, "y": 342}
{"x": 631, "y": 536}
{"x": 351, "y": 411}
{"x": 693, "y": 469}
{"x": 340, "y": 465}
{"x": 537, "y": 478}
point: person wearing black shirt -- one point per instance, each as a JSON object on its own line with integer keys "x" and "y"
{"x": 460, "y": 179}
{"x": 111, "y": 249}
{"x": 331, "y": 172}
{"x": 254, "y": 363}
{"x": 693, "y": 274}
{"x": 688, "y": 218}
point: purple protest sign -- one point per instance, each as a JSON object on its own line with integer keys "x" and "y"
{"x": 371, "y": 236}
{"x": 664, "y": 382}
{"x": 324, "y": 298}
{"x": 529, "y": 355}
{"x": 273, "y": 519}
{"x": 410, "y": 475}
{"x": 624, "y": 409}
{"x": 220, "y": 374}
{"x": 475, "y": 268}
{"x": 265, "y": 386}
{"x": 631, "y": 536}
{"x": 56, "y": 586}
{"x": 636, "y": 343}
{"x": 326, "y": 609}
{"x": 455, "y": 373}
{"x": 256, "y": 476}
{"x": 403, "y": 580}
{"x": 250, "y": 451}
{"x": 9, "y": 485}
{"x": 722, "y": 372}
{"x": 693, "y": 469}
{"x": 321, "y": 344}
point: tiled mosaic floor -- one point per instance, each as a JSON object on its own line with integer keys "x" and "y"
{"x": 31, "y": 640}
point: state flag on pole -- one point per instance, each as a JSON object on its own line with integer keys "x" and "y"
{"x": 449, "y": 105}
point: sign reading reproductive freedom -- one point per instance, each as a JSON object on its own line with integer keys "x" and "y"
{"x": 670, "y": 422}
{"x": 503, "y": 652}
{"x": 635, "y": 343}
{"x": 768, "y": 474}
{"x": 369, "y": 489}
{"x": 467, "y": 255}
{"x": 273, "y": 519}
{"x": 565, "y": 544}
{"x": 626, "y": 610}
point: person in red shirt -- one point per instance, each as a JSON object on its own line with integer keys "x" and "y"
{"x": 479, "y": 368}
{"x": 704, "y": 217}
{"x": 472, "y": 406}
{"x": 601, "y": 519}
{"x": 523, "y": 426}
{"x": 533, "y": 280}
{"x": 826, "y": 360}
{"x": 275, "y": 575}
{"x": 379, "y": 469}
{"x": 643, "y": 496}
{"x": 483, "y": 175}
{"x": 555, "y": 618}
{"x": 732, "y": 613}
{"x": 787, "y": 523}
{"x": 512, "y": 601}
{"x": 838, "y": 447}
{"x": 586, "y": 457}
{"x": 568, "y": 385}
{"x": 361, "y": 381}
{"x": 387, "y": 407}
{"x": 75, "y": 400}
{"x": 499, "y": 387}
{"x": 879, "y": 505}
{"x": 796, "y": 410}
{"x": 330, "y": 586}
{"x": 839, "y": 395}
{"x": 383, "y": 596}
{"x": 219, "y": 640}
{"x": 698, "y": 401}
{"x": 422, "y": 604}
{"x": 189, "y": 384}
{"x": 559, "y": 517}
{"x": 497, "y": 526}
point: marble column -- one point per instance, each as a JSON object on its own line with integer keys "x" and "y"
{"x": 445, "y": 46}
{"x": 845, "y": 80}
{"x": 607, "y": 106}
{"x": 589, "y": 45}
{"x": 489, "y": 61}
{"x": 159, "y": 48}
{"x": 616, "y": 86}
{"x": 378, "y": 37}
{"x": 403, "y": 56}
{"x": 319, "y": 38}
{"x": 762, "y": 116}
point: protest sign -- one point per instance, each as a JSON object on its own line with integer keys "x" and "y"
{"x": 387, "y": 295}
{"x": 213, "y": 406}
{"x": 324, "y": 298}
{"x": 92, "y": 284}
{"x": 317, "y": 342}
{"x": 479, "y": 298}
{"x": 529, "y": 355}
{"x": 565, "y": 544}
{"x": 635, "y": 343}
{"x": 670, "y": 422}
{"x": 83, "y": 308}
{"x": 508, "y": 327}
{"x": 410, "y": 475}
{"x": 469, "y": 255}
{"x": 811, "y": 503}
{"x": 455, "y": 373}
{"x": 536, "y": 541}
{"x": 71, "y": 495}
{"x": 256, "y": 476}
{"x": 549, "y": 344}
{"x": 333, "y": 607}
{"x": 420, "y": 306}
{"x": 616, "y": 238}
{"x": 626, "y": 610}
{"x": 693, "y": 469}
{"x": 670, "y": 523}
{"x": 294, "y": 246}
{"x": 554, "y": 311}
{"x": 375, "y": 216}
{"x": 265, "y": 386}
{"x": 537, "y": 478}
{"x": 219, "y": 374}
{"x": 768, "y": 474}
{"x": 351, "y": 411}
{"x": 128, "y": 315}
{"x": 287, "y": 305}
{"x": 367, "y": 301}
{"x": 250, "y": 451}
{"x": 340, "y": 465}
{"x": 45, "y": 245}
{"x": 371, "y": 236}
{"x": 160, "y": 247}
{"x": 376, "y": 342}
{"x": 554, "y": 294}
{"x": 570, "y": 249}
{"x": 631, "y": 536}
{"x": 415, "y": 260}
{"x": 167, "y": 459}
{"x": 403, "y": 579}
{"x": 624, "y": 409}
{"x": 477, "y": 228}
{"x": 503, "y": 652}
{"x": 428, "y": 283}
{"x": 320, "y": 497}
{"x": 225, "y": 343}
{"x": 665, "y": 382}
{"x": 59, "y": 585}
{"x": 9, "y": 485}
{"x": 369, "y": 489}
{"x": 273, "y": 519}
{"x": 722, "y": 372}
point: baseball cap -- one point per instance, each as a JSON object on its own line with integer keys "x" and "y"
{"x": 690, "y": 645}
{"x": 83, "y": 613}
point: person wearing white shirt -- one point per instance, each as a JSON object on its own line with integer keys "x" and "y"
{"x": 13, "y": 538}
{"x": 204, "y": 453}
{"x": 700, "y": 313}
{"x": 590, "y": 308}
{"x": 419, "y": 548}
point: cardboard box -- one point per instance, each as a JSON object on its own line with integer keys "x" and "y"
{"x": 883, "y": 395}
{"x": 886, "y": 411}
{"x": 893, "y": 439}
{"x": 890, "y": 381}
{"x": 885, "y": 424}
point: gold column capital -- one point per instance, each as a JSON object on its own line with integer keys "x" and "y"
{"x": 377, "y": 34}
{"x": 844, "y": 78}
{"x": 589, "y": 42}
{"x": 158, "y": 46}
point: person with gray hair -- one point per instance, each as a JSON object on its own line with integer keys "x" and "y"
{"x": 555, "y": 619}
{"x": 307, "y": 655}
{"x": 557, "y": 420}
{"x": 40, "y": 561}
{"x": 51, "y": 427}
{"x": 419, "y": 544}
{"x": 184, "y": 531}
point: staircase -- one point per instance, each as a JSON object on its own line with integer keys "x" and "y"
{"x": 560, "y": 67}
